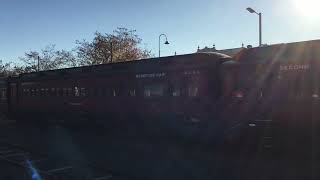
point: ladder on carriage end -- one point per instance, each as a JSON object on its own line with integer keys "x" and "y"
{"x": 268, "y": 131}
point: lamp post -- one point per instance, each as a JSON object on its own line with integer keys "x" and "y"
{"x": 260, "y": 23}
{"x": 38, "y": 63}
{"x": 166, "y": 42}
{"x": 111, "y": 51}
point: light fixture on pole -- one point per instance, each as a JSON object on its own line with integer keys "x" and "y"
{"x": 166, "y": 42}
{"x": 260, "y": 23}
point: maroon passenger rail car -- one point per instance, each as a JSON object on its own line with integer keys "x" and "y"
{"x": 187, "y": 87}
{"x": 278, "y": 92}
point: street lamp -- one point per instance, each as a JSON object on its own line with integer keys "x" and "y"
{"x": 166, "y": 42}
{"x": 260, "y": 23}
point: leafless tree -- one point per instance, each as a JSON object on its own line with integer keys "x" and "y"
{"x": 4, "y": 69}
{"x": 48, "y": 58}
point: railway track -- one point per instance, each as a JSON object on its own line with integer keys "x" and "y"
{"x": 41, "y": 167}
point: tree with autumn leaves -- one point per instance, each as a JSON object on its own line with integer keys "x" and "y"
{"x": 121, "y": 45}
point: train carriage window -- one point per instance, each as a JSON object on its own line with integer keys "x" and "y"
{"x": 58, "y": 92}
{"x": 27, "y": 92}
{"x": 93, "y": 92}
{"x": 109, "y": 92}
{"x": 154, "y": 90}
{"x": 83, "y": 92}
{"x": 3, "y": 95}
{"x": 76, "y": 91}
{"x": 315, "y": 88}
{"x": 99, "y": 91}
{"x": 47, "y": 91}
{"x": 120, "y": 91}
{"x": 132, "y": 92}
{"x": 114, "y": 93}
{"x": 61, "y": 92}
{"x": 193, "y": 91}
{"x": 53, "y": 92}
{"x": 104, "y": 91}
{"x": 64, "y": 92}
{"x": 70, "y": 93}
{"x": 176, "y": 91}
{"x": 42, "y": 93}
{"x": 37, "y": 92}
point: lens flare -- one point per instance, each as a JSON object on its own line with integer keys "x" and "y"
{"x": 33, "y": 171}
{"x": 308, "y": 9}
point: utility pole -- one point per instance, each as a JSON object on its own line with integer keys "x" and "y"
{"x": 35, "y": 57}
{"x": 38, "y": 63}
{"x": 111, "y": 51}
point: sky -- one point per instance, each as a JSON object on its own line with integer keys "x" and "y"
{"x": 27, "y": 25}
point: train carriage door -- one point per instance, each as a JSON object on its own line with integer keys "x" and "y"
{"x": 230, "y": 104}
{"x": 3, "y": 100}
{"x": 228, "y": 79}
{"x": 13, "y": 98}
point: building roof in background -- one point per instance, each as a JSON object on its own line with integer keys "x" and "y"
{"x": 230, "y": 52}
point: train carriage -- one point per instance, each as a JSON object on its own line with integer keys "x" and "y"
{"x": 186, "y": 87}
{"x": 278, "y": 92}
{"x": 264, "y": 88}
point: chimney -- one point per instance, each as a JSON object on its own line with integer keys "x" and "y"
{"x": 214, "y": 47}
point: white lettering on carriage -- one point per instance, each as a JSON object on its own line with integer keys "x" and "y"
{"x": 153, "y": 75}
{"x": 192, "y": 72}
{"x": 294, "y": 67}
{"x": 28, "y": 83}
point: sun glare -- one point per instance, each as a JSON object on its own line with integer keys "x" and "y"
{"x": 308, "y": 9}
